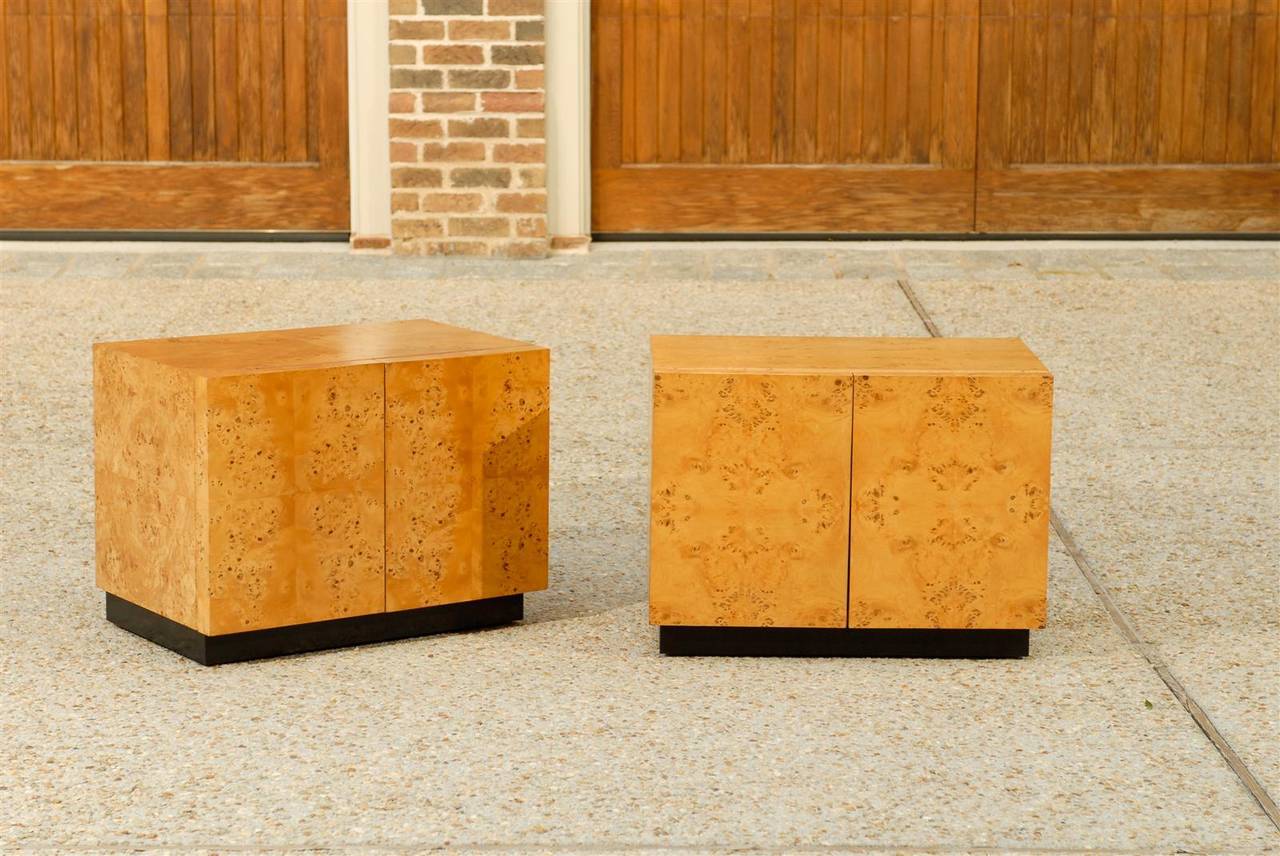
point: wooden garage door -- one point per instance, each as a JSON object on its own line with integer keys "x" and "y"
{"x": 784, "y": 115}
{"x": 173, "y": 114}
{"x": 1128, "y": 115}
{"x": 872, "y": 116}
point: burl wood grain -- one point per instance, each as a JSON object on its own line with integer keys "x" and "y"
{"x": 950, "y": 517}
{"x": 749, "y": 500}
{"x": 144, "y": 452}
{"x": 295, "y": 506}
{"x": 467, "y": 469}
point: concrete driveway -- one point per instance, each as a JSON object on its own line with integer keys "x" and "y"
{"x": 1146, "y": 720}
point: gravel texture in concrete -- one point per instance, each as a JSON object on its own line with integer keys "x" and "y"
{"x": 569, "y": 732}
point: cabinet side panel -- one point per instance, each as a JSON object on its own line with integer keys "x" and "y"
{"x": 949, "y": 526}
{"x": 144, "y": 472}
{"x": 467, "y": 471}
{"x": 749, "y": 500}
{"x": 295, "y": 463}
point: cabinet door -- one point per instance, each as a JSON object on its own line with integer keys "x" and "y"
{"x": 295, "y": 497}
{"x": 950, "y": 519}
{"x": 467, "y": 441}
{"x": 750, "y": 496}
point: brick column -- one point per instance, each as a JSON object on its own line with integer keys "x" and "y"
{"x": 468, "y": 145}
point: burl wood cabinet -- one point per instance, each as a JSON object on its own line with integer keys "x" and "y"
{"x": 849, "y": 496}
{"x": 268, "y": 493}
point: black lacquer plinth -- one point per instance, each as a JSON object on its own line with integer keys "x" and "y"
{"x": 840, "y": 642}
{"x": 315, "y": 636}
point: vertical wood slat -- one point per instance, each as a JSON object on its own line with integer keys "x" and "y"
{"x": 1239, "y": 82}
{"x": 4, "y": 85}
{"x": 646, "y": 81}
{"x": 272, "y": 32}
{"x": 919, "y": 62}
{"x": 40, "y": 69}
{"x": 1102, "y": 102}
{"x": 784, "y": 81}
{"x": 226, "y": 107}
{"x": 669, "y": 80}
{"x": 296, "y": 108}
{"x": 88, "y": 82}
{"x": 692, "y": 40}
{"x": 330, "y": 70}
{"x": 760, "y": 86}
{"x": 156, "y": 32}
{"x": 961, "y": 75}
{"x": 1217, "y": 80}
{"x": 607, "y": 29}
{"x": 249, "y": 79}
{"x": 851, "y": 94}
{"x": 1263, "y": 87}
{"x": 63, "y": 69}
{"x": 738, "y": 83}
{"x": 714, "y": 30}
{"x": 1128, "y": 56}
{"x": 1173, "y": 32}
{"x": 1081, "y": 98}
{"x": 995, "y": 97}
{"x": 873, "y": 75}
{"x": 805, "y": 118}
{"x": 897, "y": 52}
{"x": 1147, "y": 97}
{"x": 17, "y": 129}
{"x": 204, "y": 123}
{"x": 830, "y": 33}
{"x": 1195, "y": 60}
{"x": 1057, "y": 96}
{"x": 133, "y": 88}
{"x": 110, "y": 80}
{"x": 180, "y": 136}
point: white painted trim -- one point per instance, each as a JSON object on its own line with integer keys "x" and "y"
{"x": 568, "y": 32}
{"x": 368, "y": 91}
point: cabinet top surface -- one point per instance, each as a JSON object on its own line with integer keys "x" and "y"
{"x": 834, "y": 355}
{"x": 316, "y": 347}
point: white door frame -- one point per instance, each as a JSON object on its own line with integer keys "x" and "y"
{"x": 368, "y": 124}
{"x": 568, "y": 115}
{"x": 569, "y": 118}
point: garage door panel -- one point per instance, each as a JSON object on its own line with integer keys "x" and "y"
{"x": 1147, "y": 116}
{"x": 729, "y": 115}
{"x": 186, "y": 114}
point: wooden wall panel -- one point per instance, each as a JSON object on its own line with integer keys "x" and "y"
{"x": 1155, "y": 115}
{"x": 709, "y": 114}
{"x": 754, "y": 540}
{"x": 114, "y": 85}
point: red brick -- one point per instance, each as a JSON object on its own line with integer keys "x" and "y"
{"x": 402, "y": 227}
{"x": 448, "y": 102}
{"x": 531, "y": 227}
{"x": 404, "y": 152}
{"x": 480, "y": 31}
{"x": 452, "y": 54}
{"x": 433, "y": 152}
{"x": 404, "y": 202}
{"x": 475, "y": 177}
{"x": 402, "y": 54}
{"x": 480, "y": 227}
{"x": 403, "y": 7}
{"x": 516, "y": 7}
{"x": 512, "y": 102}
{"x": 449, "y": 248}
{"x": 413, "y": 177}
{"x": 531, "y": 128}
{"x": 522, "y": 250}
{"x": 523, "y": 203}
{"x": 531, "y": 78}
{"x": 519, "y": 153}
{"x": 533, "y": 177}
{"x": 479, "y": 128}
{"x": 402, "y": 102}
{"x": 452, "y": 202}
{"x": 417, "y": 30}
{"x": 422, "y": 130}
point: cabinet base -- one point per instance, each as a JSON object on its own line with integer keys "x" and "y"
{"x": 314, "y": 636}
{"x": 680, "y": 641}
